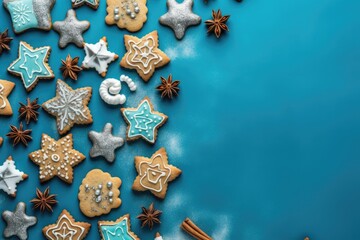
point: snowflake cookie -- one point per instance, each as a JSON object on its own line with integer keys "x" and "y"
{"x": 99, "y": 193}
{"x": 119, "y": 228}
{"x": 66, "y": 228}
{"x": 143, "y": 121}
{"x": 69, "y": 106}
{"x": 97, "y": 56}
{"x": 6, "y": 88}
{"x": 10, "y": 177}
{"x": 27, "y": 14}
{"x": 143, "y": 55}
{"x": 56, "y": 158}
{"x": 154, "y": 173}
{"x": 31, "y": 65}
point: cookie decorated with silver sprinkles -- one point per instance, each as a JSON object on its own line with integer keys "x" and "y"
{"x": 18, "y": 222}
{"x": 71, "y": 30}
{"x": 179, "y": 17}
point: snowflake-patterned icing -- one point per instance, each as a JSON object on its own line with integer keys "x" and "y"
{"x": 69, "y": 106}
{"x": 22, "y": 14}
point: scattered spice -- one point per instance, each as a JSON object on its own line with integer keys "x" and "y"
{"x": 149, "y": 216}
{"x": 70, "y": 67}
{"x": 191, "y": 228}
{"x": 218, "y": 23}
{"x": 168, "y": 87}
{"x": 28, "y": 111}
{"x": 5, "y": 41}
{"x": 44, "y": 200}
{"x": 18, "y": 134}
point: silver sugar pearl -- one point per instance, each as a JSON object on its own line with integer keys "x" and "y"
{"x": 116, "y": 17}
{"x": 116, "y": 11}
{"x": 110, "y": 200}
{"x": 111, "y": 194}
{"x": 132, "y": 15}
{"x": 97, "y": 192}
{"x": 137, "y": 9}
{"x": 100, "y": 186}
{"x": 128, "y": 12}
{"x": 135, "y": 4}
{"x": 98, "y": 199}
{"x": 109, "y": 185}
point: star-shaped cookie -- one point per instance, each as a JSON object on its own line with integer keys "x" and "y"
{"x": 56, "y": 158}
{"x": 18, "y": 222}
{"x": 31, "y": 65}
{"x": 119, "y": 228}
{"x": 179, "y": 17}
{"x": 94, "y": 4}
{"x": 104, "y": 143}
{"x": 143, "y": 55}
{"x": 10, "y": 177}
{"x": 27, "y": 14}
{"x": 71, "y": 30}
{"x": 143, "y": 121}
{"x": 5, "y": 89}
{"x": 97, "y": 56}
{"x": 69, "y": 106}
{"x": 66, "y": 228}
{"x": 154, "y": 173}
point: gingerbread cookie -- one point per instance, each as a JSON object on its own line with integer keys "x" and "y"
{"x": 71, "y": 30}
{"x": 10, "y": 177}
{"x": 31, "y": 65}
{"x": 5, "y": 89}
{"x": 128, "y": 14}
{"x": 27, "y": 14}
{"x": 99, "y": 193}
{"x": 119, "y": 229}
{"x": 56, "y": 158}
{"x": 94, "y": 4}
{"x": 154, "y": 173}
{"x": 69, "y": 106}
{"x": 97, "y": 56}
{"x": 143, "y": 121}
{"x": 143, "y": 55}
{"x": 66, "y": 228}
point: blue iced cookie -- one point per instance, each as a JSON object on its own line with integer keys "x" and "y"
{"x": 27, "y": 14}
{"x": 143, "y": 121}
{"x": 119, "y": 229}
{"x": 31, "y": 65}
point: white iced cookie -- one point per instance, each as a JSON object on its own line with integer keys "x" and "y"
{"x": 110, "y": 90}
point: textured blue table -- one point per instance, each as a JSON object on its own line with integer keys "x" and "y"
{"x": 266, "y": 128}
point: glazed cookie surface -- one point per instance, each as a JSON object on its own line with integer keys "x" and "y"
{"x": 71, "y": 30}
{"x": 66, "y": 228}
{"x": 97, "y": 56}
{"x": 69, "y": 106}
{"x": 154, "y": 173}
{"x": 56, "y": 158}
{"x": 10, "y": 177}
{"x": 6, "y": 88}
{"x": 31, "y": 65}
{"x": 128, "y": 14}
{"x": 119, "y": 229}
{"x": 143, "y": 55}
{"x": 27, "y": 14}
{"x": 143, "y": 122}
{"x": 99, "y": 193}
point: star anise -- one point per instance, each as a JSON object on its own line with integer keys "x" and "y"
{"x": 1, "y": 141}
{"x": 28, "y": 111}
{"x": 18, "y": 134}
{"x": 218, "y": 23}
{"x": 169, "y": 88}
{"x": 5, "y": 41}
{"x": 149, "y": 216}
{"x": 44, "y": 200}
{"x": 70, "y": 67}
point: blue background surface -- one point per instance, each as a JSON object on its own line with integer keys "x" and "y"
{"x": 266, "y": 128}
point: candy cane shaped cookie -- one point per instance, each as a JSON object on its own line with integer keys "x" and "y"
{"x": 111, "y": 87}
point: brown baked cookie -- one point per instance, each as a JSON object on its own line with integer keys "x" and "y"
{"x": 143, "y": 55}
{"x": 99, "y": 193}
{"x": 5, "y": 89}
{"x": 56, "y": 158}
{"x": 119, "y": 228}
{"x": 154, "y": 173}
{"x": 128, "y": 14}
{"x": 66, "y": 228}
